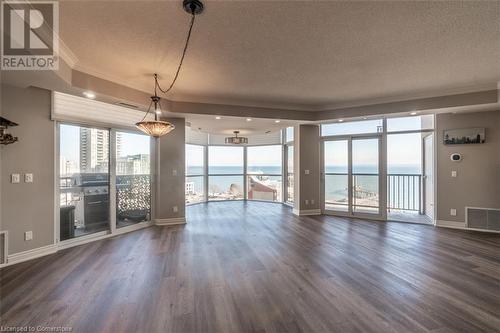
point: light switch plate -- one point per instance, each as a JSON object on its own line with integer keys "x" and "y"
{"x": 454, "y": 173}
{"x": 175, "y": 209}
{"x": 453, "y": 212}
{"x": 306, "y": 171}
{"x": 28, "y": 235}
{"x": 28, "y": 178}
{"x": 174, "y": 172}
{"x": 15, "y": 178}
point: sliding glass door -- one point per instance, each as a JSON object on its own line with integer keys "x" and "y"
{"x": 104, "y": 176}
{"x": 351, "y": 176}
{"x": 83, "y": 181}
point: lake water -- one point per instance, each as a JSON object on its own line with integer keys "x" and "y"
{"x": 335, "y": 186}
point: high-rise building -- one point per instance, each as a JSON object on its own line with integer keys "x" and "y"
{"x": 94, "y": 150}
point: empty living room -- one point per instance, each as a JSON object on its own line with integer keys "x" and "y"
{"x": 207, "y": 166}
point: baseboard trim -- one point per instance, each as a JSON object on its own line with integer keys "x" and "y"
{"x": 19, "y": 257}
{"x": 450, "y": 224}
{"x": 53, "y": 248}
{"x": 306, "y": 212}
{"x": 461, "y": 226}
{"x": 171, "y": 221}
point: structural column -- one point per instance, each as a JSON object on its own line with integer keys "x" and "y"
{"x": 307, "y": 170}
{"x": 170, "y": 206}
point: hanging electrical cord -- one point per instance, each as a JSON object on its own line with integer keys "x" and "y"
{"x": 192, "y": 8}
{"x": 157, "y": 127}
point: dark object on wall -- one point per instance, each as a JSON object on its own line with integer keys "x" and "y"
{"x": 67, "y": 222}
{"x": 464, "y": 136}
{"x": 6, "y": 138}
{"x": 456, "y": 157}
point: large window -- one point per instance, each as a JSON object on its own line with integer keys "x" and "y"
{"x": 195, "y": 170}
{"x": 415, "y": 123}
{"x": 236, "y": 172}
{"x": 225, "y": 173}
{"x": 355, "y": 127}
{"x": 289, "y": 174}
{"x": 83, "y": 180}
{"x": 264, "y": 169}
{"x": 133, "y": 179}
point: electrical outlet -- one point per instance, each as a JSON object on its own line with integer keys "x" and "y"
{"x": 307, "y": 202}
{"x": 453, "y": 173}
{"x": 28, "y": 235}
{"x": 28, "y": 178}
{"x": 312, "y": 201}
{"x": 15, "y": 178}
{"x": 453, "y": 212}
{"x": 175, "y": 209}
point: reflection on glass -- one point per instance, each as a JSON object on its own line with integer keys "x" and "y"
{"x": 336, "y": 192}
{"x": 195, "y": 189}
{"x": 410, "y": 123}
{"x": 365, "y": 178}
{"x": 194, "y": 159}
{"x": 355, "y": 127}
{"x": 83, "y": 181}
{"x": 225, "y": 160}
{"x": 267, "y": 188}
{"x": 336, "y": 156}
{"x": 133, "y": 179}
{"x": 195, "y": 186}
{"x": 336, "y": 175}
{"x": 264, "y": 160}
{"x": 365, "y": 156}
{"x": 289, "y": 134}
{"x": 290, "y": 178}
{"x": 365, "y": 193}
{"x": 225, "y": 188}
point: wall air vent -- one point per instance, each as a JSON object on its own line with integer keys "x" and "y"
{"x": 483, "y": 218}
{"x": 127, "y": 105}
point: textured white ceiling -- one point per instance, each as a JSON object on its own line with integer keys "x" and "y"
{"x": 291, "y": 54}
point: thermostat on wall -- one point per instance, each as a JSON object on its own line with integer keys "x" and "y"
{"x": 456, "y": 157}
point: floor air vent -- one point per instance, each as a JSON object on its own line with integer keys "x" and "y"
{"x": 483, "y": 218}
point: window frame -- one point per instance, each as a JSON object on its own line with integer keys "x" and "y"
{"x": 112, "y": 230}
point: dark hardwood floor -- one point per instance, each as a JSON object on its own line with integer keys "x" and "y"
{"x": 244, "y": 267}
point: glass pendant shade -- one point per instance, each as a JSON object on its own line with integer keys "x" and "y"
{"x": 155, "y": 128}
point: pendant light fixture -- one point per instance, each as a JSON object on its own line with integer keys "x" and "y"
{"x": 236, "y": 140}
{"x": 157, "y": 127}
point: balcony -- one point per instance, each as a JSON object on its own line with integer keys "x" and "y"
{"x": 405, "y": 199}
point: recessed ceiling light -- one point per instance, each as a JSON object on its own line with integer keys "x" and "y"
{"x": 218, "y": 118}
{"x": 249, "y": 119}
{"x": 89, "y": 94}
{"x": 277, "y": 121}
{"x": 341, "y": 120}
{"x": 413, "y": 113}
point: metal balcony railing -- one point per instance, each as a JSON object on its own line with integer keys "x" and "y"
{"x": 404, "y": 192}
